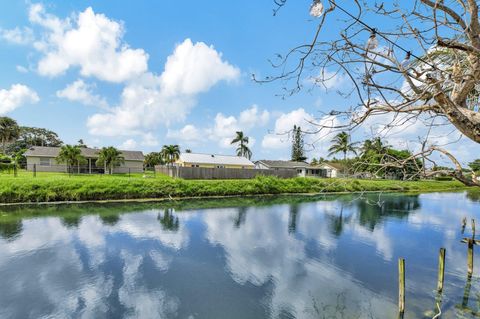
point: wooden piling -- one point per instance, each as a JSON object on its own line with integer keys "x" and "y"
{"x": 441, "y": 269}
{"x": 473, "y": 227}
{"x": 470, "y": 257}
{"x": 401, "y": 285}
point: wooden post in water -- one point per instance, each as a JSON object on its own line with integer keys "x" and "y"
{"x": 464, "y": 224}
{"x": 401, "y": 285}
{"x": 473, "y": 228}
{"x": 470, "y": 256}
{"x": 441, "y": 269}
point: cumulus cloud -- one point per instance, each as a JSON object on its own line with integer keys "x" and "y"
{"x": 17, "y": 35}
{"x": 89, "y": 41}
{"x": 224, "y": 128}
{"x": 79, "y": 91}
{"x": 195, "y": 68}
{"x": 284, "y": 123}
{"x": 189, "y": 133}
{"x": 152, "y": 100}
{"x": 16, "y": 96}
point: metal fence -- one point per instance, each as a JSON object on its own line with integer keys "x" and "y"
{"x": 13, "y": 168}
{"x": 221, "y": 173}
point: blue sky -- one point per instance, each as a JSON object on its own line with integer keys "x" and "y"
{"x": 140, "y": 74}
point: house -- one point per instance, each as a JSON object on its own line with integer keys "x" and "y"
{"x": 303, "y": 169}
{"x": 43, "y": 159}
{"x": 332, "y": 170}
{"x": 213, "y": 161}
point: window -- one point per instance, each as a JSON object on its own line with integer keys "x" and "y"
{"x": 195, "y": 165}
{"x": 220, "y": 166}
{"x": 44, "y": 161}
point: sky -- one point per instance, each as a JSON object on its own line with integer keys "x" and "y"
{"x": 141, "y": 74}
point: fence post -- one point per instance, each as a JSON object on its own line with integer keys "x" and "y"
{"x": 129, "y": 172}
{"x": 401, "y": 285}
{"x": 15, "y": 170}
{"x": 34, "y": 170}
{"x": 441, "y": 269}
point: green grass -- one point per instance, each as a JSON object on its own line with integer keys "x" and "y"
{"x": 51, "y": 187}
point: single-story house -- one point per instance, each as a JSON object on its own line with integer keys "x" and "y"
{"x": 43, "y": 159}
{"x": 303, "y": 169}
{"x": 332, "y": 170}
{"x": 213, "y": 161}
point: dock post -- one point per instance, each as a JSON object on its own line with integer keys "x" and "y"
{"x": 470, "y": 257}
{"x": 441, "y": 269}
{"x": 401, "y": 285}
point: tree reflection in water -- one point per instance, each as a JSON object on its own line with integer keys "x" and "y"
{"x": 371, "y": 213}
{"x": 241, "y": 217}
{"x": 169, "y": 221}
{"x": 110, "y": 219}
{"x": 71, "y": 221}
{"x": 293, "y": 218}
{"x": 10, "y": 230}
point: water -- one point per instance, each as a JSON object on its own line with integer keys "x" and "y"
{"x": 293, "y": 257}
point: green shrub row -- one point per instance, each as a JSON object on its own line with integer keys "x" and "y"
{"x": 78, "y": 188}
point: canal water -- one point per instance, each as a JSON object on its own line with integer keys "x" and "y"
{"x": 276, "y": 257}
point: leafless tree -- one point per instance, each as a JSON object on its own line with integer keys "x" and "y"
{"x": 413, "y": 59}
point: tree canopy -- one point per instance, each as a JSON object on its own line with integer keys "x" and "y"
{"x": 9, "y": 132}
{"x": 109, "y": 157}
{"x": 298, "y": 147}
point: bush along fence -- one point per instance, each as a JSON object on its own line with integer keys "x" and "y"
{"x": 463, "y": 307}
{"x": 221, "y": 173}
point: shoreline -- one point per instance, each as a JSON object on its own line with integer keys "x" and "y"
{"x": 167, "y": 199}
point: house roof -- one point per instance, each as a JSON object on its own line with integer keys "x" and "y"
{"x": 284, "y": 164}
{"x": 336, "y": 166}
{"x": 214, "y": 159}
{"x": 42, "y": 151}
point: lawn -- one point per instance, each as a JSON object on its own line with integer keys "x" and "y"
{"x": 51, "y": 187}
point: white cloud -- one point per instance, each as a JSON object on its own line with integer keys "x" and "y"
{"x": 280, "y": 137}
{"x": 17, "y": 35}
{"x": 252, "y": 117}
{"x": 149, "y": 140}
{"x": 16, "y": 96}
{"x": 152, "y": 100}
{"x": 21, "y": 69}
{"x": 195, "y": 68}
{"x": 80, "y": 91}
{"x": 224, "y": 128}
{"x": 129, "y": 145}
{"x": 189, "y": 133}
{"x": 89, "y": 41}
{"x": 330, "y": 79}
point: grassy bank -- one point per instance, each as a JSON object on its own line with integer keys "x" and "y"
{"x": 51, "y": 187}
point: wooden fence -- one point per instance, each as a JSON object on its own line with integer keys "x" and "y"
{"x": 221, "y": 173}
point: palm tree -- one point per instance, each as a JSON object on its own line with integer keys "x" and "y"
{"x": 376, "y": 145}
{"x": 71, "y": 155}
{"x": 341, "y": 144}
{"x": 170, "y": 153}
{"x": 242, "y": 149}
{"x": 9, "y": 131}
{"x": 109, "y": 157}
